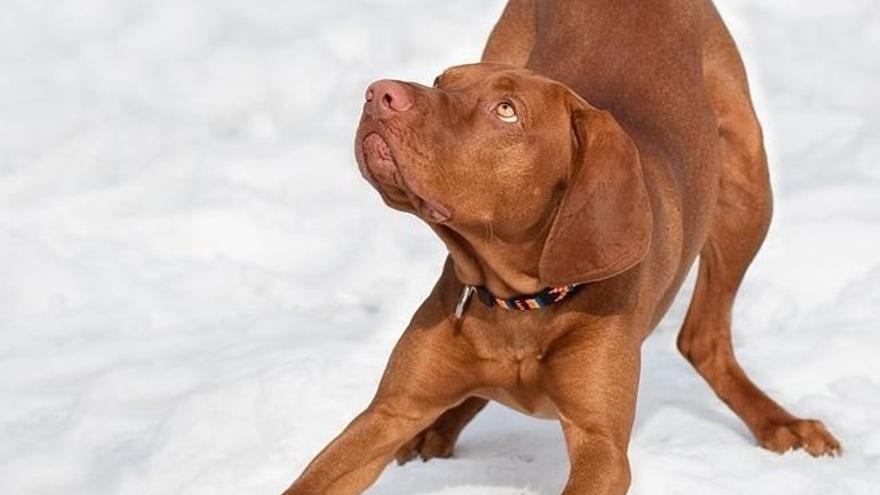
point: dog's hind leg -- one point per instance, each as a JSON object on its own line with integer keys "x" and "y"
{"x": 438, "y": 440}
{"x": 740, "y": 223}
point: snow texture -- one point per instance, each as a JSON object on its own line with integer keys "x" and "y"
{"x": 198, "y": 291}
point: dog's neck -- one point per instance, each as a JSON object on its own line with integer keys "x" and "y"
{"x": 506, "y": 269}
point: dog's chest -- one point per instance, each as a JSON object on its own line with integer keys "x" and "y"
{"x": 511, "y": 365}
{"x": 515, "y": 381}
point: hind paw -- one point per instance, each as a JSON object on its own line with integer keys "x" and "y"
{"x": 428, "y": 445}
{"x": 806, "y": 434}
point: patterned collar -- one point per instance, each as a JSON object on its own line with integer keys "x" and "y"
{"x": 538, "y": 300}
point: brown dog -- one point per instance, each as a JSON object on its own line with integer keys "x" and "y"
{"x": 578, "y": 226}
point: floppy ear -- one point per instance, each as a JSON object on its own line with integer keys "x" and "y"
{"x": 603, "y": 225}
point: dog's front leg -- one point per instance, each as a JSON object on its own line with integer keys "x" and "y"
{"x": 425, "y": 376}
{"x": 593, "y": 379}
{"x": 356, "y": 457}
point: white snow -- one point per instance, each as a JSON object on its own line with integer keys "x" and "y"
{"x": 198, "y": 290}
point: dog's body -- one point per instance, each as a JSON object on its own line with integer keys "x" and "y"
{"x": 530, "y": 186}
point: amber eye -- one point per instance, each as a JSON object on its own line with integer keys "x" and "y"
{"x": 506, "y": 112}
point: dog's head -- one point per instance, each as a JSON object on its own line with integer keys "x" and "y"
{"x": 500, "y": 146}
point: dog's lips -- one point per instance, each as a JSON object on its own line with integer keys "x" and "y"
{"x": 378, "y": 158}
{"x": 378, "y": 165}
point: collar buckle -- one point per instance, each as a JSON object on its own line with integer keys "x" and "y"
{"x": 463, "y": 301}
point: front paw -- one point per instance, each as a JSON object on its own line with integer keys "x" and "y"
{"x": 807, "y": 434}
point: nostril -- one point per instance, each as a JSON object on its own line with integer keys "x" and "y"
{"x": 386, "y": 98}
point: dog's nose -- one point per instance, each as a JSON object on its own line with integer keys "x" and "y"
{"x": 386, "y": 98}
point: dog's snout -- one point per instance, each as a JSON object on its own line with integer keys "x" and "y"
{"x": 386, "y": 98}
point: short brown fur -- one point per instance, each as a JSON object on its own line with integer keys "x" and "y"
{"x": 623, "y": 199}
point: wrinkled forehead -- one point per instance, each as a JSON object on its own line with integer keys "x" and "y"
{"x": 470, "y": 73}
{"x": 499, "y": 77}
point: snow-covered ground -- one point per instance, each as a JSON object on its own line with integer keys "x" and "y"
{"x": 198, "y": 290}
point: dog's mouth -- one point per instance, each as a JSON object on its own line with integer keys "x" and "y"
{"x": 379, "y": 166}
